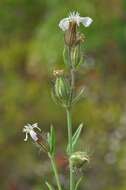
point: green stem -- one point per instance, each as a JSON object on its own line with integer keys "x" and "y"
{"x": 72, "y": 78}
{"x": 69, "y": 125}
{"x": 72, "y": 83}
{"x": 55, "y": 171}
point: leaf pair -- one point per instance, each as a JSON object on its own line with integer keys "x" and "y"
{"x": 75, "y": 137}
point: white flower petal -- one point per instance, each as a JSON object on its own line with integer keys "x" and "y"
{"x": 26, "y": 137}
{"x": 86, "y": 21}
{"x": 74, "y": 17}
{"x": 33, "y": 135}
{"x": 24, "y": 130}
{"x": 38, "y": 128}
{"x": 64, "y": 24}
{"x": 35, "y": 125}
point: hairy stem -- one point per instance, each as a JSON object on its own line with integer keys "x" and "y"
{"x": 69, "y": 125}
{"x": 55, "y": 171}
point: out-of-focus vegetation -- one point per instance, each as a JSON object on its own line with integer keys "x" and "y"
{"x": 31, "y": 46}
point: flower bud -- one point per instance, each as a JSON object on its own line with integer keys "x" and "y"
{"x": 78, "y": 159}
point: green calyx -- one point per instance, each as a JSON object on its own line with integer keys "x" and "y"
{"x": 62, "y": 90}
{"x": 79, "y": 159}
{"x": 75, "y": 56}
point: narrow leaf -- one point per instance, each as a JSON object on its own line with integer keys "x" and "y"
{"x": 79, "y": 96}
{"x": 52, "y": 140}
{"x": 76, "y": 135}
{"x": 78, "y": 183}
{"x": 49, "y": 186}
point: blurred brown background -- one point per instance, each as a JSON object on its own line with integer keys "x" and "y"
{"x": 31, "y": 46}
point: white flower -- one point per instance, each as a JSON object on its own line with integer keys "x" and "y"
{"x": 29, "y": 129}
{"x": 74, "y": 17}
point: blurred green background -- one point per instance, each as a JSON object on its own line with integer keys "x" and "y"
{"x": 31, "y": 46}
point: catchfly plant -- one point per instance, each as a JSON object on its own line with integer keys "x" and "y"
{"x": 66, "y": 94}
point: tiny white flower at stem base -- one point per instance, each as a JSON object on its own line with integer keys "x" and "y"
{"x": 74, "y": 17}
{"x": 29, "y": 129}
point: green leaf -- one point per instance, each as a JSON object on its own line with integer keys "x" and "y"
{"x": 78, "y": 96}
{"x": 52, "y": 140}
{"x": 48, "y": 138}
{"x": 49, "y": 186}
{"x": 78, "y": 183}
{"x": 76, "y": 136}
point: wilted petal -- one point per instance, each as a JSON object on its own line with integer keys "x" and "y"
{"x": 86, "y": 21}
{"x": 64, "y": 24}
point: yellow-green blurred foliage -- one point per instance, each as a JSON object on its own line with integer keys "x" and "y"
{"x": 31, "y": 47}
